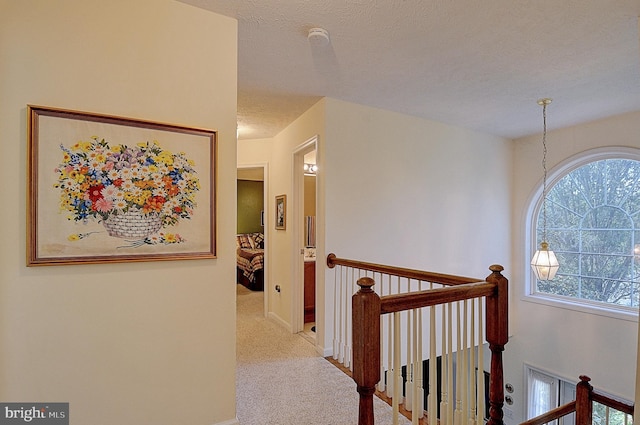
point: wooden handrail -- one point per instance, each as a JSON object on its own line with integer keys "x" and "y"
{"x": 431, "y": 297}
{"x": 367, "y": 306}
{"x": 552, "y": 415}
{"x": 612, "y": 402}
{"x": 443, "y": 279}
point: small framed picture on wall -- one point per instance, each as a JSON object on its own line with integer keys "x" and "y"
{"x": 281, "y": 212}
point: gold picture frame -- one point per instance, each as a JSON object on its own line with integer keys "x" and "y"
{"x": 103, "y": 189}
{"x": 281, "y": 212}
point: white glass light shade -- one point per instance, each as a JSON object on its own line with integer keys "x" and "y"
{"x": 544, "y": 263}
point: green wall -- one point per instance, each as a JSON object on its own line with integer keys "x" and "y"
{"x": 250, "y": 205}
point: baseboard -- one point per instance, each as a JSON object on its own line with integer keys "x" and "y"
{"x": 280, "y": 321}
{"x": 324, "y": 352}
{"x": 229, "y": 422}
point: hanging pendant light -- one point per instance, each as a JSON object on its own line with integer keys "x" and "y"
{"x": 544, "y": 262}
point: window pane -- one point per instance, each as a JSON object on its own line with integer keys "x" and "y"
{"x": 605, "y": 266}
{"x": 567, "y": 395}
{"x": 621, "y": 177}
{"x": 564, "y": 285}
{"x": 605, "y": 290}
{"x": 568, "y": 239}
{"x": 590, "y": 182}
{"x": 607, "y": 241}
{"x": 562, "y": 214}
{"x": 570, "y": 262}
{"x": 606, "y": 217}
{"x": 542, "y": 393}
{"x": 609, "y": 416}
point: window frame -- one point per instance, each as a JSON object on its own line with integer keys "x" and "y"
{"x": 534, "y": 207}
{"x": 560, "y": 386}
{"x": 564, "y": 392}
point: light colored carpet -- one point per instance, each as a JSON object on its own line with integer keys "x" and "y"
{"x": 281, "y": 380}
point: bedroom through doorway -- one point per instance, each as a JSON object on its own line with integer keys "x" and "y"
{"x": 250, "y": 233}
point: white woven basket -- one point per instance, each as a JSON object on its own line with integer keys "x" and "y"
{"x": 133, "y": 224}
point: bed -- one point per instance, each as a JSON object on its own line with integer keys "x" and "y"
{"x": 250, "y": 260}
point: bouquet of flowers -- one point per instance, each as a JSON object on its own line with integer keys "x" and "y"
{"x": 120, "y": 184}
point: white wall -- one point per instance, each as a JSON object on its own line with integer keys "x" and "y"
{"x": 565, "y": 342}
{"x": 135, "y": 343}
{"x": 282, "y": 244}
{"x": 414, "y": 193}
{"x": 254, "y": 151}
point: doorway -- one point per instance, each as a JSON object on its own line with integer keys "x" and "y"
{"x": 304, "y": 257}
{"x": 251, "y": 183}
{"x": 310, "y": 168}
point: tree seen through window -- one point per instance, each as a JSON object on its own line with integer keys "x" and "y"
{"x": 593, "y": 226}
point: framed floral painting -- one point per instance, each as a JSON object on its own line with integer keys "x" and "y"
{"x": 112, "y": 189}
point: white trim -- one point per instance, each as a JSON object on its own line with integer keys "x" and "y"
{"x": 324, "y": 352}
{"x": 279, "y": 320}
{"x": 584, "y": 307}
{"x": 528, "y": 368}
{"x": 534, "y": 203}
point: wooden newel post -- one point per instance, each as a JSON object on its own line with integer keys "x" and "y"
{"x": 366, "y": 347}
{"x": 584, "y": 405}
{"x": 497, "y": 337}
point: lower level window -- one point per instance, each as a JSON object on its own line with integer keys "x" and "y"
{"x": 546, "y": 392}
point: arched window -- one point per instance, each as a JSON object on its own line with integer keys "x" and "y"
{"x": 593, "y": 226}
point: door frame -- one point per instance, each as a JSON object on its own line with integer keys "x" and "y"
{"x": 297, "y": 217}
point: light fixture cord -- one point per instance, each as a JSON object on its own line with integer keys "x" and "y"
{"x": 544, "y": 170}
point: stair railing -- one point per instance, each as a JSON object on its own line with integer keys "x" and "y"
{"x": 457, "y": 353}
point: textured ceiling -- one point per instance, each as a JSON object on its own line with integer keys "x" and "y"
{"x": 480, "y": 65}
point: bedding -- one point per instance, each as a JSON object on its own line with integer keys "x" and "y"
{"x": 250, "y": 260}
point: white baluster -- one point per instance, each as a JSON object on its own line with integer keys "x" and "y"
{"x": 457, "y": 414}
{"x": 397, "y": 376}
{"x": 411, "y": 337}
{"x": 444, "y": 369}
{"x": 465, "y": 365}
{"x": 433, "y": 387}
{"x": 472, "y": 363}
{"x": 418, "y": 410}
{"x": 381, "y": 385}
{"x": 337, "y": 294}
{"x": 451, "y": 399}
{"x": 481, "y": 388}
